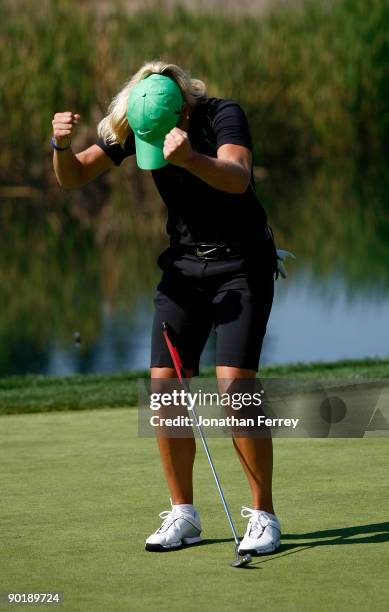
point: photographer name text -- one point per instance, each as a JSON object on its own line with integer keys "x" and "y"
{"x": 229, "y": 421}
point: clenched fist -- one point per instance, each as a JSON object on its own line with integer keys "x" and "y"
{"x": 177, "y": 149}
{"x": 63, "y": 124}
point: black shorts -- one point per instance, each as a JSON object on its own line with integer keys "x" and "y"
{"x": 234, "y": 296}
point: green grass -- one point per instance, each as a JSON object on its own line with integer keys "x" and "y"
{"x": 81, "y": 492}
{"x": 35, "y": 393}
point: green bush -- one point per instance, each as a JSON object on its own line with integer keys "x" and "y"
{"x": 313, "y": 81}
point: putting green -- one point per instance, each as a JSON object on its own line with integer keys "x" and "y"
{"x": 80, "y": 492}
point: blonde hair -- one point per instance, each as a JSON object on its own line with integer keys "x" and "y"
{"x": 114, "y": 128}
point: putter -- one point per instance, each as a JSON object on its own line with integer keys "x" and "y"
{"x": 240, "y": 560}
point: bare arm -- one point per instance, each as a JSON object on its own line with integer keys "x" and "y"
{"x": 230, "y": 171}
{"x": 74, "y": 170}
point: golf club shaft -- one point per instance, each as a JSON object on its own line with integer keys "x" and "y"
{"x": 181, "y": 375}
{"x": 224, "y": 502}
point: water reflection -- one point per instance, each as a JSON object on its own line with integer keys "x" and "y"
{"x": 322, "y": 320}
{"x": 63, "y": 272}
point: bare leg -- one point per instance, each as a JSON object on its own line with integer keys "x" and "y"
{"x": 255, "y": 454}
{"x": 177, "y": 454}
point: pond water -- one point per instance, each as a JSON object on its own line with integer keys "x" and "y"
{"x": 334, "y": 304}
{"x": 306, "y": 324}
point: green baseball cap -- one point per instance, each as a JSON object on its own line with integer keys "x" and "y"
{"x": 154, "y": 108}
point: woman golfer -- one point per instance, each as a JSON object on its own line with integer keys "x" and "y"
{"x": 218, "y": 271}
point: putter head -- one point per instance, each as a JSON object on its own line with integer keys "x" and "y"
{"x": 241, "y": 560}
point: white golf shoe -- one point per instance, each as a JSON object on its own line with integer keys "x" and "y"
{"x": 180, "y": 527}
{"x": 263, "y": 532}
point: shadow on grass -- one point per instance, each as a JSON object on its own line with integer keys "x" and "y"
{"x": 209, "y": 541}
{"x": 359, "y": 534}
{"x": 374, "y": 533}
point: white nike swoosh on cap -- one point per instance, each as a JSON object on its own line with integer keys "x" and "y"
{"x": 142, "y": 133}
